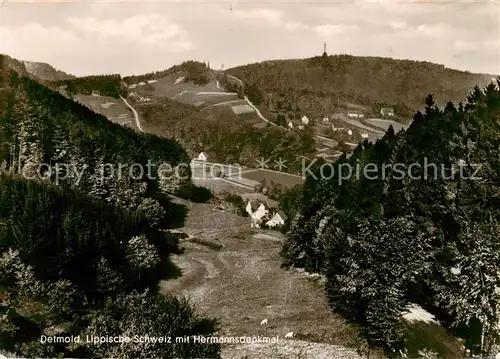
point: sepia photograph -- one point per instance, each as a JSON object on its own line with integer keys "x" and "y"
{"x": 244, "y": 179}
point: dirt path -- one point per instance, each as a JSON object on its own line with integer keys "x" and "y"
{"x": 242, "y": 284}
{"x": 136, "y": 115}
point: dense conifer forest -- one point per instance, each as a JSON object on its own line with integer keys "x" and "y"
{"x": 322, "y": 85}
{"x": 384, "y": 241}
{"x": 103, "y": 85}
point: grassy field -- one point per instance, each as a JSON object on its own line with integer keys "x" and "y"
{"x": 242, "y": 283}
{"x": 284, "y": 179}
{"x": 114, "y": 109}
{"x": 384, "y": 124}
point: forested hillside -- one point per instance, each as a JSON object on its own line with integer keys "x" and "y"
{"x": 227, "y": 138}
{"x": 82, "y": 244}
{"x": 103, "y": 85}
{"x": 384, "y": 240}
{"x": 75, "y": 266}
{"x": 42, "y": 126}
{"x": 322, "y": 85}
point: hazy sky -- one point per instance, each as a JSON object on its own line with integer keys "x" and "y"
{"x": 90, "y": 37}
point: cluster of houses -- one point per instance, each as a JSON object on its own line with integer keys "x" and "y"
{"x": 304, "y": 121}
{"x": 263, "y": 213}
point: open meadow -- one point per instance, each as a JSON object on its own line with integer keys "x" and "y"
{"x": 242, "y": 284}
{"x": 114, "y": 109}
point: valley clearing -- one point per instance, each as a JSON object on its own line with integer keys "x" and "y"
{"x": 242, "y": 283}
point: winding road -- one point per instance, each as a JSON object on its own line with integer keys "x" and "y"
{"x": 136, "y": 115}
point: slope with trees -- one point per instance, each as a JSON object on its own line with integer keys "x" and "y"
{"x": 104, "y": 85}
{"x": 386, "y": 239}
{"x": 40, "y": 126}
{"x": 73, "y": 266}
{"x": 226, "y": 137}
{"x": 82, "y": 245}
{"x": 323, "y": 85}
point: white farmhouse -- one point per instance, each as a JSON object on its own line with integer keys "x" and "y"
{"x": 304, "y": 120}
{"x": 257, "y": 211}
{"x": 364, "y": 135}
{"x": 277, "y": 220}
{"x": 202, "y": 157}
{"x": 326, "y": 119}
{"x": 290, "y": 124}
{"x": 349, "y": 132}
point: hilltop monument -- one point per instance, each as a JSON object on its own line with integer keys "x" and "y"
{"x": 324, "y": 50}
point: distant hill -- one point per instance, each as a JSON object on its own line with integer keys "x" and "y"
{"x": 325, "y": 84}
{"x": 38, "y": 70}
{"x": 45, "y": 71}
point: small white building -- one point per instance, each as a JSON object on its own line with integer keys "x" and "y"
{"x": 349, "y": 132}
{"x": 133, "y": 86}
{"x": 152, "y": 81}
{"x": 290, "y": 124}
{"x": 301, "y": 127}
{"x": 277, "y": 220}
{"x": 96, "y": 93}
{"x": 257, "y": 211}
{"x": 335, "y": 129}
{"x": 326, "y": 119}
{"x": 387, "y": 111}
{"x": 202, "y": 157}
{"x": 364, "y": 135}
{"x": 355, "y": 114}
{"x": 304, "y": 120}
{"x": 141, "y": 83}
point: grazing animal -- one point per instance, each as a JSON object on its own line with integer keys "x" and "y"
{"x": 263, "y": 322}
{"x": 289, "y": 335}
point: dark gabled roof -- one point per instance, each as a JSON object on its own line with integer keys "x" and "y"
{"x": 254, "y": 205}
{"x": 283, "y": 215}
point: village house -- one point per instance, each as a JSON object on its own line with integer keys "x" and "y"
{"x": 202, "y": 157}
{"x": 326, "y": 119}
{"x": 277, "y": 220}
{"x": 290, "y": 124}
{"x": 304, "y": 120}
{"x": 387, "y": 112}
{"x": 364, "y": 135}
{"x": 257, "y": 212}
{"x": 152, "y": 81}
